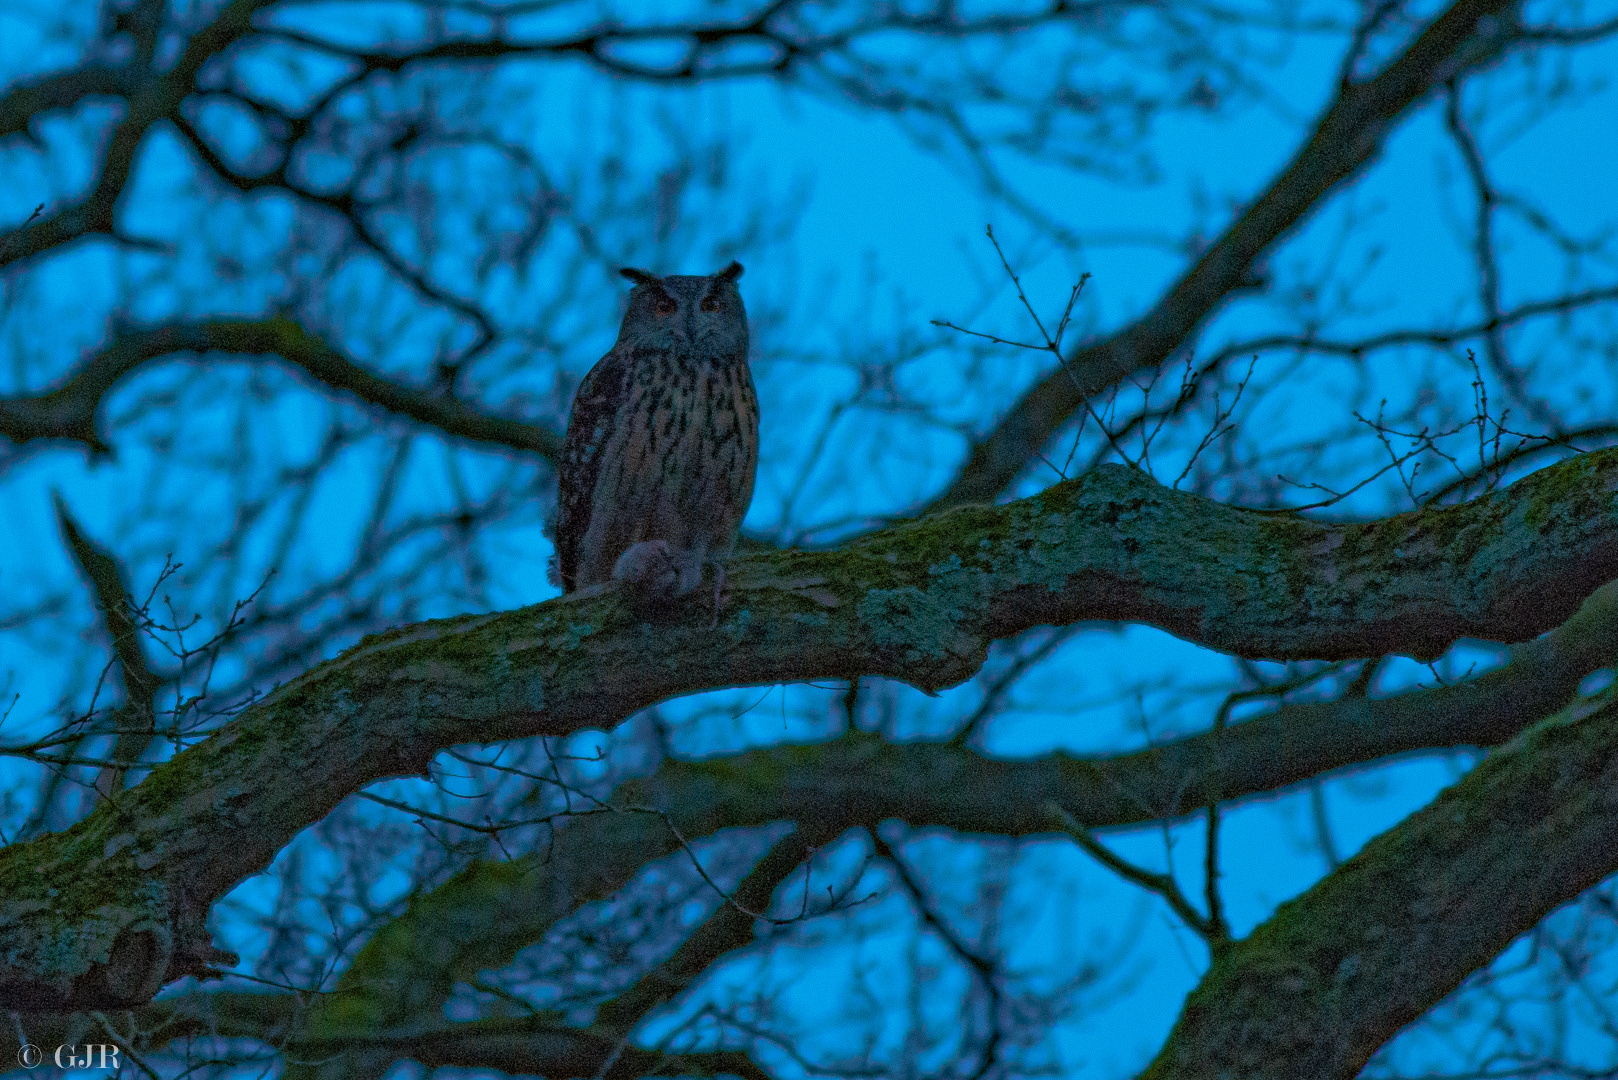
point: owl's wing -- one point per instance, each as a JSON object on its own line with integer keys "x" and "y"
{"x": 596, "y": 408}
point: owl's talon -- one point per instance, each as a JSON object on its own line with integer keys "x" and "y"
{"x": 721, "y": 593}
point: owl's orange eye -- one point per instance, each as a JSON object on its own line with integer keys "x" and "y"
{"x": 665, "y": 306}
{"x": 710, "y": 303}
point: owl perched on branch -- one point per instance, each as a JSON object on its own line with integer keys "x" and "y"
{"x": 662, "y": 444}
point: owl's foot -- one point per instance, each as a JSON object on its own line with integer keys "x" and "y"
{"x": 648, "y": 567}
{"x": 652, "y": 574}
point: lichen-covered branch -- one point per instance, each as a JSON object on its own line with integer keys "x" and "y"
{"x": 71, "y": 410}
{"x": 1347, "y": 137}
{"x": 1337, "y": 972}
{"x": 480, "y": 919}
{"x": 110, "y": 910}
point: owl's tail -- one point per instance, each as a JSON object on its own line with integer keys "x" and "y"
{"x": 553, "y": 568}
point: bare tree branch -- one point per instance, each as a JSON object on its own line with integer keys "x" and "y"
{"x": 23, "y": 102}
{"x": 1347, "y": 137}
{"x": 406, "y": 179}
{"x": 136, "y": 718}
{"x": 150, "y": 97}
{"x": 71, "y": 410}
{"x": 1208, "y": 927}
{"x": 903, "y": 603}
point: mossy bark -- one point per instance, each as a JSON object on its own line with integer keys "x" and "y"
{"x": 1337, "y": 972}
{"x": 111, "y": 909}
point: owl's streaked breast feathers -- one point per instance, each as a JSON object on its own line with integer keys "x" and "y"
{"x": 662, "y": 441}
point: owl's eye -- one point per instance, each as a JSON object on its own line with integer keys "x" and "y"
{"x": 665, "y": 305}
{"x": 710, "y": 303}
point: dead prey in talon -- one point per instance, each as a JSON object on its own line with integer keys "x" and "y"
{"x": 657, "y": 467}
{"x": 655, "y": 574}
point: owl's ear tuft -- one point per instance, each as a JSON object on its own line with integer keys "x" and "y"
{"x": 639, "y": 277}
{"x": 731, "y": 272}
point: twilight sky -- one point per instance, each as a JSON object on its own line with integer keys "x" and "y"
{"x": 870, "y": 226}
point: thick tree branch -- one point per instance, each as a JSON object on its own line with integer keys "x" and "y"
{"x": 113, "y": 908}
{"x": 1346, "y": 138}
{"x": 530, "y": 1047}
{"x": 1337, "y": 972}
{"x": 71, "y": 410}
{"x": 480, "y": 919}
{"x": 863, "y": 780}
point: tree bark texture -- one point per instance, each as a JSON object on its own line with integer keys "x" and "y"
{"x": 1337, "y": 972}
{"x": 107, "y": 912}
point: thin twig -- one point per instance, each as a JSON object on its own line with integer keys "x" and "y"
{"x": 1163, "y": 885}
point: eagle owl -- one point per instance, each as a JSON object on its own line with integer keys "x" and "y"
{"x": 661, "y": 449}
